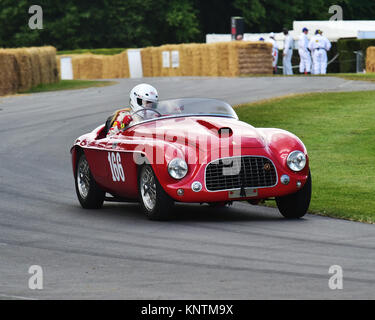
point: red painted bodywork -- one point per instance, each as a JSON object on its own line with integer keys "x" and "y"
{"x": 163, "y": 139}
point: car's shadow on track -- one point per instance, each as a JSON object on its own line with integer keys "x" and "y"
{"x": 191, "y": 212}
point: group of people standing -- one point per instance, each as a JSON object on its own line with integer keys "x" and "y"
{"x": 313, "y": 52}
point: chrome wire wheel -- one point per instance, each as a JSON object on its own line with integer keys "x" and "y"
{"x": 148, "y": 188}
{"x": 83, "y": 178}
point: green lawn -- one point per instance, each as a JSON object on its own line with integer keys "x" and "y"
{"x": 355, "y": 76}
{"x": 348, "y": 76}
{"x": 338, "y": 130}
{"x": 105, "y": 51}
{"x": 69, "y": 85}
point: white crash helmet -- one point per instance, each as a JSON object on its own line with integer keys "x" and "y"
{"x": 142, "y": 95}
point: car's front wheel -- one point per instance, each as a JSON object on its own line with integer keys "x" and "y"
{"x": 89, "y": 194}
{"x": 295, "y": 205}
{"x": 154, "y": 200}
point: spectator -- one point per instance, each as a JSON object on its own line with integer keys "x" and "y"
{"x": 304, "y": 54}
{"x": 327, "y": 47}
{"x": 287, "y": 53}
{"x": 319, "y": 47}
{"x": 275, "y": 51}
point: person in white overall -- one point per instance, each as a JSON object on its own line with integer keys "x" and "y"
{"x": 304, "y": 53}
{"x": 287, "y": 53}
{"x": 275, "y": 51}
{"x": 319, "y": 46}
{"x": 327, "y": 47}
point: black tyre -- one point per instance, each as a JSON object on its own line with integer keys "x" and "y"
{"x": 89, "y": 194}
{"x": 155, "y": 202}
{"x": 295, "y": 205}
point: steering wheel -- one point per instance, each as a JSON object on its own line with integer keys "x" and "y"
{"x": 147, "y": 109}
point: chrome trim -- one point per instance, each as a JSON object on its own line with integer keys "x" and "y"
{"x": 200, "y": 188}
{"x": 287, "y": 160}
{"x": 205, "y": 169}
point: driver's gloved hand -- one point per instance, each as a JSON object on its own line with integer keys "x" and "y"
{"x": 126, "y": 121}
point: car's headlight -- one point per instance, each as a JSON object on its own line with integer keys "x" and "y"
{"x": 296, "y": 160}
{"x": 177, "y": 168}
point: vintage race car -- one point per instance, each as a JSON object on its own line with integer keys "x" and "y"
{"x": 191, "y": 150}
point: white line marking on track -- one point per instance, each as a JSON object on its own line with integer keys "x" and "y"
{"x": 16, "y": 297}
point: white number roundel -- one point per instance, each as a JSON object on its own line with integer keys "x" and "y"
{"x": 114, "y": 159}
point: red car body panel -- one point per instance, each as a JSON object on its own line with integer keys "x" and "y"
{"x": 196, "y": 139}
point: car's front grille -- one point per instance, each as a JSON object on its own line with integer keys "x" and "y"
{"x": 238, "y": 172}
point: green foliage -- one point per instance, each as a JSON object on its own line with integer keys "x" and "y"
{"x": 267, "y": 15}
{"x": 69, "y": 85}
{"x": 104, "y": 51}
{"x": 346, "y": 48}
{"x": 73, "y": 24}
{"x": 182, "y": 17}
{"x": 337, "y": 129}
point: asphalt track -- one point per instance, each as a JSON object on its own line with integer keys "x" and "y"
{"x": 244, "y": 252}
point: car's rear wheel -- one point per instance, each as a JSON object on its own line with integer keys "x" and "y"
{"x": 295, "y": 205}
{"x": 89, "y": 194}
{"x": 154, "y": 200}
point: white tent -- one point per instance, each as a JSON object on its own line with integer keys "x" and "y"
{"x": 333, "y": 30}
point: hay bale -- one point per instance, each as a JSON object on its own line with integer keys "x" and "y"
{"x": 23, "y": 68}
{"x": 203, "y": 50}
{"x": 35, "y": 65}
{"x": 222, "y": 58}
{"x": 9, "y": 79}
{"x": 370, "y": 59}
{"x": 146, "y": 58}
{"x": 27, "y": 67}
{"x": 86, "y": 66}
{"x": 233, "y": 67}
{"x": 111, "y": 67}
{"x": 124, "y": 63}
{"x": 196, "y": 50}
{"x": 254, "y": 58}
{"x": 92, "y": 66}
{"x": 46, "y": 64}
{"x": 186, "y": 59}
{"x": 156, "y": 62}
{"x": 214, "y": 62}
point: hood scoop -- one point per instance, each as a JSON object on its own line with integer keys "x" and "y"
{"x": 219, "y": 131}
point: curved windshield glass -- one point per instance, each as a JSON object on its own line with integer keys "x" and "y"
{"x": 191, "y": 106}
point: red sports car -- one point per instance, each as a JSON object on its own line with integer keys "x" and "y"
{"x": 191, "y": 150}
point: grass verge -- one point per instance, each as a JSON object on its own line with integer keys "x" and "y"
{"x": 338, "y": 131}
{"x": 355, "y": 76}
{"x": 105, "y": 51}
{"x": 347, "y": 76}
{"x": 69, "y": 85}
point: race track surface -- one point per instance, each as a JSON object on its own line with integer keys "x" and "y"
{"x": 244, "y": 252}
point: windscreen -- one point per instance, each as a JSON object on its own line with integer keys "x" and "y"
{"x": 193, "y": 106}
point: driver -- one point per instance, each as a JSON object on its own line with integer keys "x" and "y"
{"x": 141, "y": 96}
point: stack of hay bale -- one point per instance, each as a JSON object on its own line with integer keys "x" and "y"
{"x": 249, "y": 58}
{"x": 23, "y": 68}
{"x": 228, "y": 59}
{"x": 94, "y": 66}
{"x": 146, "y": 56}
{"x": 216, "y": 59}
{"x": 370, "y": 59}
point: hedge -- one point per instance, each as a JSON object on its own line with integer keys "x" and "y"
{"x": 347, "y": 57}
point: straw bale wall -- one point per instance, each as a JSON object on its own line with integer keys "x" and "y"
{"x": 23, "y": 68}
